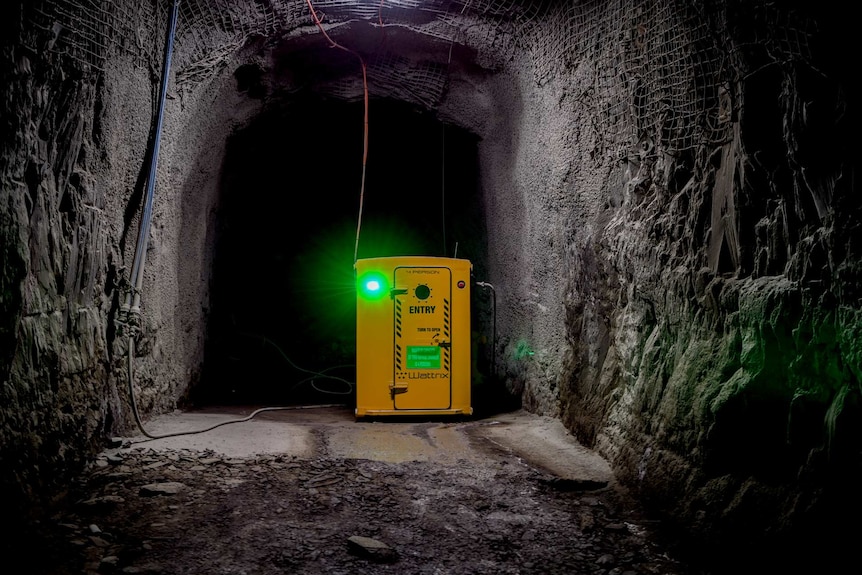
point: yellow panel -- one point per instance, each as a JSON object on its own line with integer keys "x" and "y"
{"x": 413, "y": 336}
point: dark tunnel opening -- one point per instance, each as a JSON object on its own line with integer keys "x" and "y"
{"x": 282, "y": 322}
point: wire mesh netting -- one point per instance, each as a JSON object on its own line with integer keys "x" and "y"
{"x": 660, "y": 68}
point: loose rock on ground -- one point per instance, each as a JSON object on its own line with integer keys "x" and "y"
{"x": 183, "y": 512}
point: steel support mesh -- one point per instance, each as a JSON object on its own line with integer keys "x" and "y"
{"x": 655, "y": 69}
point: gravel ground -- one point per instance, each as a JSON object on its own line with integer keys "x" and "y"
{"x": 159, "y": 509}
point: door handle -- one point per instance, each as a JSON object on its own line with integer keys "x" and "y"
{"x": 397, "y": 388}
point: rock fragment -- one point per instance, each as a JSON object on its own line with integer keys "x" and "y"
{"x": 371, "y": 549}
{"x": 103, "y": 501}
{"x": 164, "y": 488}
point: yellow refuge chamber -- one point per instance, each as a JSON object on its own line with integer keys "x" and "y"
{"x": 413, "y": 336}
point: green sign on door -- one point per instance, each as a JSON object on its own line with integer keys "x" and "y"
{"x": 423, "y": 357}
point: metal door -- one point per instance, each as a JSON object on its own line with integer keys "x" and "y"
{"x": 423, "y": 338}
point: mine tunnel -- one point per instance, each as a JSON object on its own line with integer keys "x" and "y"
{"x": 283, "y": 298}
{"x": 658, "y": 201}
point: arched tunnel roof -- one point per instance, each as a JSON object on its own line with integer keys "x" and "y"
{"x": 655, "y": 65}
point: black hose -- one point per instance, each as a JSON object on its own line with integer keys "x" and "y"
{"x": 146, "y": 216}
{"x": 494, "y": 326}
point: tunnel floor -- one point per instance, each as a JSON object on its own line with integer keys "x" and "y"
{"x": 314, "y": 491}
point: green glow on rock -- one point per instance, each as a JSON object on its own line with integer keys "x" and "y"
{"x": 523, "y": 350}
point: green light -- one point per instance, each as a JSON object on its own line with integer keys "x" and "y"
{"x": 372, "y": 286}
{"x": 523, "y": 349}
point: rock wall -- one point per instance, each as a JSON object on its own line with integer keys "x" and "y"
{"x": 74, "y": 165}
{"x": 58, "y": 397}
{"x": 693, "y": 314}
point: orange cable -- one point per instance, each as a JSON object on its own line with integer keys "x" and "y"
{"x": 335, "y": 44}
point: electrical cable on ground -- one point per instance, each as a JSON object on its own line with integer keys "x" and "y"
{"x": 151, "y": 436}
{"x": 244, "y": 419}
{"x": 314, "y": 374}
{"x": 320, "y": 374}
{"x": 335, "y": 44}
